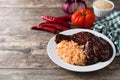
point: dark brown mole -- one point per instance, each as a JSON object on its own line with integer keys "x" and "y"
{"x": 60, "y": 37}
{"x": 96, "y": 48}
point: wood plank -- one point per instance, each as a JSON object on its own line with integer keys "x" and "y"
{"x": 41, "y": 3}
{"x": 23, "y": 49}
{"x": 20, "y": 20}
{"x": 37, "y": 74}
{"x": 30, "y": 3}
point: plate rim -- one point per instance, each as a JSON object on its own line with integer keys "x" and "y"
{"x": 81, "y": 68}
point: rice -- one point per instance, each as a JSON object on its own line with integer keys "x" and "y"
{"x": 104, "y": 5}
{"x": 71, "y": 52}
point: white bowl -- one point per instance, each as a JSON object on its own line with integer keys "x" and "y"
{"x": 100, "y": 12}
{"x": 51, "y": 50}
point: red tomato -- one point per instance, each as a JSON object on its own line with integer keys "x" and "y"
{"x": 83, "y": 18}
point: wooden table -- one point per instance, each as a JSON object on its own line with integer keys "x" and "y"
{"x": 23, "y": 53}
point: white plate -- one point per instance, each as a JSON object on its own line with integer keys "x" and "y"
{"x": 51, "y": 50}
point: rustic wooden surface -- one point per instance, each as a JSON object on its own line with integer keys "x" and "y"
{"x": 23, "y": 53}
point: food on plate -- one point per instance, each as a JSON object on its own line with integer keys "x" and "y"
{"x": 83, "y": 18}
{"x": 70, "y": 6}
{"x": 71, "y": 52}
{"x": 83, "y": 48}
{"x": 102, "y": 4}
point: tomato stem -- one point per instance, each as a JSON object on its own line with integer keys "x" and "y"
{"x": 83, "y": 14}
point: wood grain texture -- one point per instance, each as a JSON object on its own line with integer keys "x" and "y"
{"x": 21, "y": 19}
{"x": 40, "y": 3}
{"x": 38, "y": 74}
{"x": 23, "y": 54}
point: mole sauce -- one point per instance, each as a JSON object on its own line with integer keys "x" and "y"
{"x": 96, "y": 48}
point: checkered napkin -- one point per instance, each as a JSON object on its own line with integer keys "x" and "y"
{"x": 110, "y": 26}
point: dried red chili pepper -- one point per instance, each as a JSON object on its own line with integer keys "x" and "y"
{"x": 56, "y": 20}
{"x": 45, "y": 28}
{"x": 53, "y": 25}
{"x": 66, "y": 17}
